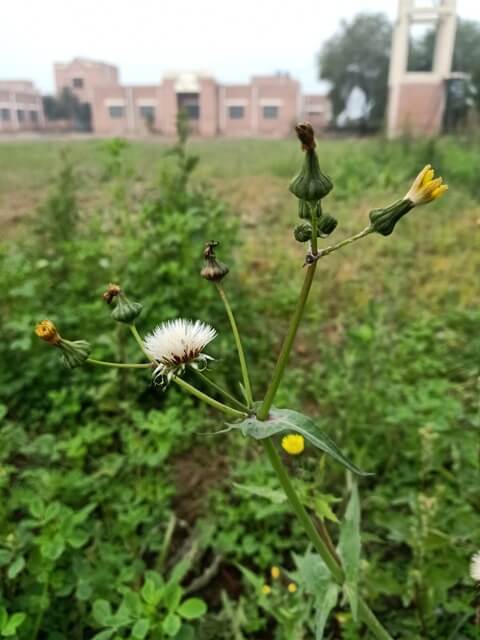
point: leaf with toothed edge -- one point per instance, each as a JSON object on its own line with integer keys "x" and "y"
{"x": 288, "y": 421}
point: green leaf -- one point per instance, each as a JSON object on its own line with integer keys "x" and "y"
{"x": 10, "y": 628}
{"x": 171, "y": 625}
{"x": 324, "y": 607}
{"x": 16, "y": 567}
{"x": 186, "y": 632}
{"x": 288, "y": 421}
{"x": 274, "y": 495}
{"x": 37, "y": 507}
{"x": 102, "y": 612}
{"x": 150, "y": 593}
{"x": 349, "y": 548}
{"x": 172, "y": 596}
{"x": 192, "y": 608}
{"x": 140, "y": 628}
{"x": 104, "y": 635}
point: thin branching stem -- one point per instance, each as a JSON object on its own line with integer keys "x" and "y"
{"x": 120, "y": 365}
{"x": 219, "y": 389}
{"x": 207, "y": 399}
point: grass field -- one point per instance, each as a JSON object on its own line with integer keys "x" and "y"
{"x": 388, "y": 360}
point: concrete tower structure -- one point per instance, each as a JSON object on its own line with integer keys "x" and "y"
{"x": 417, "y": 99}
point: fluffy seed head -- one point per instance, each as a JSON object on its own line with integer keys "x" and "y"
{"x": 475, "y": 567}
{"x": 178, "y": 343}
{"x": 293, "y": 444}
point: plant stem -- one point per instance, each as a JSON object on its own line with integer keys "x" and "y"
{"x": 220, "y": 390}
{"x": 120, "y": 365}
{"x": 287, "y": 343}
{"x": 139, "y": 340}
{"x": 322, "y": 546}
{"x": 344, "y": 243}
{"x": 203, "y": 396}
{"x": 238, "y": 342}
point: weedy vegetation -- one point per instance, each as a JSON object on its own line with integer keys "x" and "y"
{"x": 124, "y": 513}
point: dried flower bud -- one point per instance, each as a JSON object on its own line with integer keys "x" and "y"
{"x": 310, "y": 183}
{"x": 306, "y": 135}
{"x": 74, "y": 353}
{"x": 326, "y": 225}
{"x": 47, "y": 331}
{"x": 112, "y": 292}
{"x": 383, "y": 221}
{"x": 213, "y": 269}
{"x": 303, "y": 232}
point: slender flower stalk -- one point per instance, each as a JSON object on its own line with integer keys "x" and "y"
{"x": 220, "y": 389}
{"x": 120, "y": 365}
{"x": 139, "y": 341}
{"x": 207, "y": 399}
{"x": 238, "y": 342}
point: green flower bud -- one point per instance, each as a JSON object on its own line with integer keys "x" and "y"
{"x": 304, "y": 210}
{"x": 383, "y": 221}
{"x": 213, "y": 269}
{"x": 326, "y": 224}
{"x": 303, "y": 232}
{"x": 125, "y": 310}
{"x": 74, "y": 353}
{"x": 310, "y": 183}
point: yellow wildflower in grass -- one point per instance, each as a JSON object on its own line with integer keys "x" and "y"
{"x": 292, "y": 587}
{"x": 426, "y": 187}
{"x": 266, "y": 590}
{"x": 47, "y": 331}
{"x": 275, "y": 573}
{"x": 293, "y": 444}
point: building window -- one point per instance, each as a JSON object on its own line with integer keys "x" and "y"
{"x": 236, "y": 112}
{"x": 192, "y": 111}
{"x": 20, "y": 115}
{"x": 147, "y": 113}
{"x": 78, "y": 83}
{"x": 34, "y": 117}
{"x": 190, "y": 104}
{"x": 270, "y": 112}
{"x": 116, "y": 111}
{"x": 5, "y": 115}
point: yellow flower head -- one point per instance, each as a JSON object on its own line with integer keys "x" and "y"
{"x": 425, "y": 187}
{"x": 292, "y": 587}
{"x": 266, "y": 590}
{"x": 293, "y": 444}
{"x": 275, "y": 573}
{"x": 47, "y": 331}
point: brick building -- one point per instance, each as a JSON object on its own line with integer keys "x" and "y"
{"x": 266, "y": 106}
{"x": 21, "y": 107}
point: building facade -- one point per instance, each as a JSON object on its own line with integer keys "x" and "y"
{"x": 21, "y": 107}
{"x": 266, "y": 106}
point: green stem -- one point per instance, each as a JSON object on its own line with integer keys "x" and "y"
{"x": 322, "y": 546}
{"x": 219, "y": 389}
{"x": 287, "y": 343}
{"x": 203, "y": 396}
{"x": 139, "y": 340}
{"x": 238, "y": 342}
{"x": 344, "y": 243}
{"x": 119, "y": 365}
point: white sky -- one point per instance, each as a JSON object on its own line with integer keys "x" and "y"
{"x": 145, "y": 38}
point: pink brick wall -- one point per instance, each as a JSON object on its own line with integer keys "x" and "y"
{"x": 420, "y": 108}
{"x": 21, "y": 107}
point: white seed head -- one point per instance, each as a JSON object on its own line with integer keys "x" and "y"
{"x": 475, "y": 567}
{"x": 178, "y": 343}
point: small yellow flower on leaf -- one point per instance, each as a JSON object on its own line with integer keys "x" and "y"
{"x": 275, "y": 573}
{"x": 293, "y": 444}
{"x": 266, "y": 590}
{"x": 292, "y": 587}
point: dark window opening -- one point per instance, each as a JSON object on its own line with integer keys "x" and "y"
{"x": 78, "y": 83}
{"x": 5, "y": 115}
{"x": 116, "y": 111}
{"x": 270, "y": 112}
{"x": 236, "y": 112}
{"x": 21, "y": 115}
{"x": 147, "y": 113}
{"x": 34, "y": 117}
{"x": 190, "y": 104}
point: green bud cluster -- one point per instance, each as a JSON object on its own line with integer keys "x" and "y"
{"x": 74, "y": 353}
{"x": 124, "y": 309}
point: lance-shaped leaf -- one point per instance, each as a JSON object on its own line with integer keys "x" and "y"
{"x": 288, "y": 421}
{"x": 349, "y": 548}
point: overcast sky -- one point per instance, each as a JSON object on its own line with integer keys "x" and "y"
{"x": 145, "y": 38}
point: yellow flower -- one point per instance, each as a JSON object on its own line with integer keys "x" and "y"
{"x": 266, "y": 590}
{"x": 275, "y": 573}
{"x": 293, "y": 444}
{"x": 47, "y": 331}
{"x": 292, "y": 587}
{"x": 425, "y": 187}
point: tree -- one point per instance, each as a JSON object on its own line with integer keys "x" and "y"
{"x": 66, "y": 106}
{"x": 359, "y": 54}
